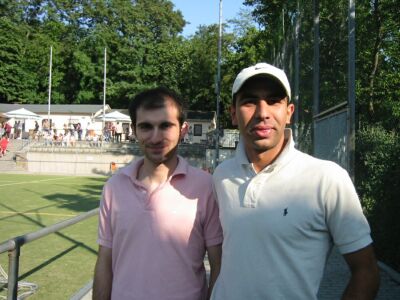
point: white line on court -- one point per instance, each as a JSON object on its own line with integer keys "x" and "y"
{"x": 36, "y": 213}
{"x": 34, "y": 181}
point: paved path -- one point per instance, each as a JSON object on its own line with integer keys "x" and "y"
{"x": 337, "y": 275}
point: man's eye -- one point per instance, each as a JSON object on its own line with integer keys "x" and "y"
{"x": 248, "y": 101}
{"x": 145, "y": 127}
{"x": 274, "y": 100}
{"x": 165, "y": 125}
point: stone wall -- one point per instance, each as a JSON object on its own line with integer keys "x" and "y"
{"x": 96, "y": 161}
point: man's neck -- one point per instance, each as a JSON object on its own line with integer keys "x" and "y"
{"x": 263, "y": 159}
{"x": 153, "y": 175}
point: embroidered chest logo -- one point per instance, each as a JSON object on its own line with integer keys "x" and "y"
{"x": 285, "y": 212}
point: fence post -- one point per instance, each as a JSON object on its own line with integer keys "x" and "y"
{"x": 13, "y": 267}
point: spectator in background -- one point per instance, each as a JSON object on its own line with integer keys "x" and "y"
{"x": 17, "y": 130}
{"x": 2, "y": 129}
{"x": 118, "y": 132}
{"x": 79, "y": 131}
{"x": 113, "y": 131}
{"x": 48, "y": 138}
{"x": 36, "y": 127}
{"x": 3, "y": 145}
{"x": 8, "y": 129}
{"x": 65, "y": 128}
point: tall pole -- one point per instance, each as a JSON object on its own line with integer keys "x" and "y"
{"x": 104, "y": 88}
{"x": 296, "y": 76}
{"x": 352, "y": 86}
{"x": 316, "y": 75}
{"x": 218, "y": 86}
{"x": 316, "y": 59}
{"x": 49, "y": 97}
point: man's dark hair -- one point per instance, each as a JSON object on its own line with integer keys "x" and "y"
{"x": 155, "y": 98}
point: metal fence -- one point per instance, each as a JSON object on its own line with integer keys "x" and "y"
{"x": 331, "y": 135}
{"x": 13, "y": 246}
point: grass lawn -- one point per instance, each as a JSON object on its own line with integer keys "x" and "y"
{"x": 59, "y": 263}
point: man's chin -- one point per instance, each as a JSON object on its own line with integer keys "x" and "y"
{"x": 161, "y": 158}
{"x": 262, "y": 145}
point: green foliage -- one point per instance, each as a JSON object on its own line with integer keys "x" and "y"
{"x": 378, "y": 173}
{"x": 140, "y": 37}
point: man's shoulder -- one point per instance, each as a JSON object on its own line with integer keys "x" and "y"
{"x": 226, "y": 167}
{"x": 303, "y": 162}
{"x": 197, "y": 173}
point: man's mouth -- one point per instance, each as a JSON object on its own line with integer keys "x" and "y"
{"x": 262, "y": 131}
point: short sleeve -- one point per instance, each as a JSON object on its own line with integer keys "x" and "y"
{"x": 104, "y": 230}
{"x": 347, "y": 224}
{"x": 212, "y": 226}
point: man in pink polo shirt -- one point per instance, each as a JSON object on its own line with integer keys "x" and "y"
{"x": 158, "y": 215}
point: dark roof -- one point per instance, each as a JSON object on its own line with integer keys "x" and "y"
{"x": 200, "y": 115}
{"x": 54, "y": 108}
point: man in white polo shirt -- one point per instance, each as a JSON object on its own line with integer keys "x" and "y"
{"x": 158, "y": 215}
{"x": 281, "y": 210}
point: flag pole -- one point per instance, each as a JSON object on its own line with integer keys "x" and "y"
{"x": 104, "y": 87}
{"x": 49, "y": 97}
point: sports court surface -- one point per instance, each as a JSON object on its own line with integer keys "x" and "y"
{"x": 63, "y": 262}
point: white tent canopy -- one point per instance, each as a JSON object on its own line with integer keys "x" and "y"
{"x": 22, "y": 113}
{"x": 115, "y": 116}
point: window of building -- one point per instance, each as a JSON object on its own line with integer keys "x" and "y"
{"x": 197, "y": 130}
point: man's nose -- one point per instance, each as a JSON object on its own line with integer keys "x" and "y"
{"x": 262, "y": 109}
{"x": 156, "y": 136}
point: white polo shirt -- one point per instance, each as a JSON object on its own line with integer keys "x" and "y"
{"x": 280, "y": 225}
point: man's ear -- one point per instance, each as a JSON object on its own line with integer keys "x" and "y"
{"x": 184, "y": 129}
{"x": 289, "y": 113}
{"x": 233, "y": 115}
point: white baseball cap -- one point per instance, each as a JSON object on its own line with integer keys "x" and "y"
{"x": 261, "y": 69}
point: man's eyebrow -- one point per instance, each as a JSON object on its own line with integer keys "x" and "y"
{"x": 144, "y": 123}
{"x": 167, "y": 123}
{"x": 162, "y": 123}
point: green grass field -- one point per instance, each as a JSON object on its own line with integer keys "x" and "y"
{"x": 63, "y": 262}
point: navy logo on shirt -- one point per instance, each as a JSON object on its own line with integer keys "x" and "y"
{"x": 285, "y": 212}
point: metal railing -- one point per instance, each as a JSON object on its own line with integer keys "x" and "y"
{"x": 13, "y": 246}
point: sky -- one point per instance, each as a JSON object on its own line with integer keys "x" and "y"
{"x": 206, "y": 12}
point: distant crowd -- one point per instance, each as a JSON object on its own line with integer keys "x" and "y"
{"x": 69, "y": 135}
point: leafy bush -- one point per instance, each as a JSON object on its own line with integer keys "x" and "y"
{"x": 377, "y": 181}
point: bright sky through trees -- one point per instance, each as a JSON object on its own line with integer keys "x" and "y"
{"x": 206, "y": 12}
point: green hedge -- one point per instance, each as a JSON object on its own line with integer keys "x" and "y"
{"x": 377, "y": 181}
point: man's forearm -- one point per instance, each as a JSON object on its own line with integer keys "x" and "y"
{"x": 214, "y": 257}
{"x": 102, "y": 286}
{"x": 362, "y": 287}
{"x": 364, "y": 280}
{"x": 103, "y": 276}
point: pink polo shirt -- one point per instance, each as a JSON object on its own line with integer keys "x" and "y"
{"x": 158, "y": 240}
